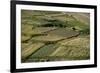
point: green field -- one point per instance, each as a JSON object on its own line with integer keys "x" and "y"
{"x": 54, "y": 36}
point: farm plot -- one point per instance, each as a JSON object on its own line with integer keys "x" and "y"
{"x": 25, "y": 38}
{"x": 78, "y": 41}
{"x": 64, "y": 17}
{"x": 64, "y": 32}
{"x": 76, "y": 49}
{"x": 30, "y": 49}
{"x": 24, "y": 45}
{"x": 43, "y": 52}
{"x": 56, "y": 35}
{"x": 39, "y": 30}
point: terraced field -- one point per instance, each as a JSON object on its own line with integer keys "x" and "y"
{"x": 54, "y": 36}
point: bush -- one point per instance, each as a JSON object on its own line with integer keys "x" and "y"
{"x": 85, "y": 31}
{"x": 54, "y": 23}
